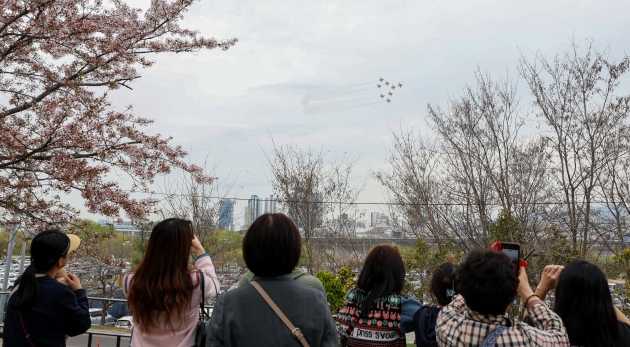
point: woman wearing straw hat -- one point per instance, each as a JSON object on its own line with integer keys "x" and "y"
{"x": 41, "y": 310}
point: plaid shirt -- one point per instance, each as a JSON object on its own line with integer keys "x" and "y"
{"x": 459, "y": 326}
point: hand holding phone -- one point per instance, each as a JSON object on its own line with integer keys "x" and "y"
{"x": 513, "y": 251}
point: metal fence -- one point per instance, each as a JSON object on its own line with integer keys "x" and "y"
{"x": 95, "y": 332}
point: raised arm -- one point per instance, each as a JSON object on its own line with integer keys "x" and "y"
{"x": 203, "y": 262}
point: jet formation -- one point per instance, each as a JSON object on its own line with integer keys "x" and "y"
{"x": 387, "y": 83}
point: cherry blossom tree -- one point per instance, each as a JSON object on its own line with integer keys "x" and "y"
{"x": 59, "y": 133}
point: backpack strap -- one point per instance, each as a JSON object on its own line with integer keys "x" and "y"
{"x": 492, "y": 338}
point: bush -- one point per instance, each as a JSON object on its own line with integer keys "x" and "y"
{"x": 334, "y": 290}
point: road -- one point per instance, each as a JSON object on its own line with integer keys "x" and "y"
{"x": 106, "y": 341}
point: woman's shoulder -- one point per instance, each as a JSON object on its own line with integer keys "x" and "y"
{"x": 624, "y": 332}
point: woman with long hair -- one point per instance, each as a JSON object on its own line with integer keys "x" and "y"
{"x": 41, "y": 311}
{"x": 164, "y": 292}
{"x": 371, "y": 313}
{"x": 443, "y": 290}
{"x": 584, "y": 302}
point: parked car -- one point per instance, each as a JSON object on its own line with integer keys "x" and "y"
{"x": 95, "y": 317}
{"x": 125, "y": 322}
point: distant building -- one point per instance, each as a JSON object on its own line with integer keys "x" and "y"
{"x": 126, "y": 227}
{"x": 270, "y": 204}
{"x": 226, "y": 215}
{"x": 247, "y": 217}
{"x": 378, "y": 219}
{"x": 254, "y": 208}
{"x": 312, "y": 207}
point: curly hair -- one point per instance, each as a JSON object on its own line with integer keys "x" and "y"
{"x": 487, "y": 281}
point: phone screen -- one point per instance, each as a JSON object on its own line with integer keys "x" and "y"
{"x": 513, "y": 251}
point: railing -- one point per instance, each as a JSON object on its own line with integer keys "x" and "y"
{"x": 118, "y": 336}
{"x": 92, "y": 332}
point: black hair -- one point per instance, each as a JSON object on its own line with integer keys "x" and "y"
{"x": 383, "y": 274}
{"x": 584, "y": 303}
{"x": 47, "y": 248}
{"x": 443, "y": 283}
{"x": 272, "y": 245}
{"x": 487, "y": 281}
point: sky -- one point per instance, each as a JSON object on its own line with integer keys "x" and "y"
{"x": 306, "y": 73}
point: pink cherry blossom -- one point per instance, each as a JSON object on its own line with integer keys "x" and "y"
{"x": 58, "y": 131}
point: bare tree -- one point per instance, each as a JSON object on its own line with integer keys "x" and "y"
{"x": 413, "y": 184}
{"x": 479, "y": 163}
{"x": 575, "y": 96}
{"x": 187, "y": 198}
{"x": 315, "y": 193}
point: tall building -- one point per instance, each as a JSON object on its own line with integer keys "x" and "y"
{"x": 254, "y": 208}
{"x": 247, "y": 217}
{"x": 270, "y": 204}
{"x": 226, "y": 214}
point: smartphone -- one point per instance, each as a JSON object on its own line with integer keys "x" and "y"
{"x": 512, "y": 250}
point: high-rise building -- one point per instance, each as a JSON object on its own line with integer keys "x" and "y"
{"x": 270, "y": 205}
{"x": 226, "y": 214}
{"x": 247, "y": 217}
{"x": 374, "y": 217}
{"x": 254, "y": 208}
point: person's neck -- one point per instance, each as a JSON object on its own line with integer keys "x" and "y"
{"x": 52, "y": 272}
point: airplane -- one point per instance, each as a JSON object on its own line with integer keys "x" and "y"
{"x": 388, "y": 100}
{"x": 390, "y": 93}
{"x": 393, "y": 87}
{"x": 378, "y": 85}
{"x": 386, "y": 83}
{"x": 380, "y": 79}
{"x": 382, "y": 96}
{"x": 399, "y": 85}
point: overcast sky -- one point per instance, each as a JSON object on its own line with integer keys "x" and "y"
{"x": 306, "y": 72}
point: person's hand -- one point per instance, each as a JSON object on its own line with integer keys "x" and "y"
{"x": 196, "y": 246}
{"x": 73, "y": 281}
{"x": 524, "y": 291}
{"x": 548, "y": 280}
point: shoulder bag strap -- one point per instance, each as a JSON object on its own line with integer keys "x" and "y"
{"x": 296, "y": 332}
{"x": 203, "y": 295}
{"x": 492, "y": 338}
{"x": 28, "y": 337}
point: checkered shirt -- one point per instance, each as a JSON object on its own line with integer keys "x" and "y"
{"x": 459, "y": 326}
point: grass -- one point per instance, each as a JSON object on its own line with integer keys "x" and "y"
{"x": 110, "y": 329}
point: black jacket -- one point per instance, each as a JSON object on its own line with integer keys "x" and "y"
{"x": 57, "y": 312}
{"x": 424, "y": 326}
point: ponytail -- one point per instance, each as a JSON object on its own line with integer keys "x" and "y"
{"x": 47, "y": 248}
{"x": 28, "y": 290}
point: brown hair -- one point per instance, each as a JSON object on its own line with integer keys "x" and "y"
{"x": 383, "y": 274}
{"x": 272, "y": 245}
{"x": 162, "y": 283}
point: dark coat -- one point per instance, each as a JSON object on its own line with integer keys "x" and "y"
{"x": 57, "y": 312}
{"x": 241, "y": 317}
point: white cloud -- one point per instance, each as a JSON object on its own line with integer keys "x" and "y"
{"x": 231, "y": 101}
